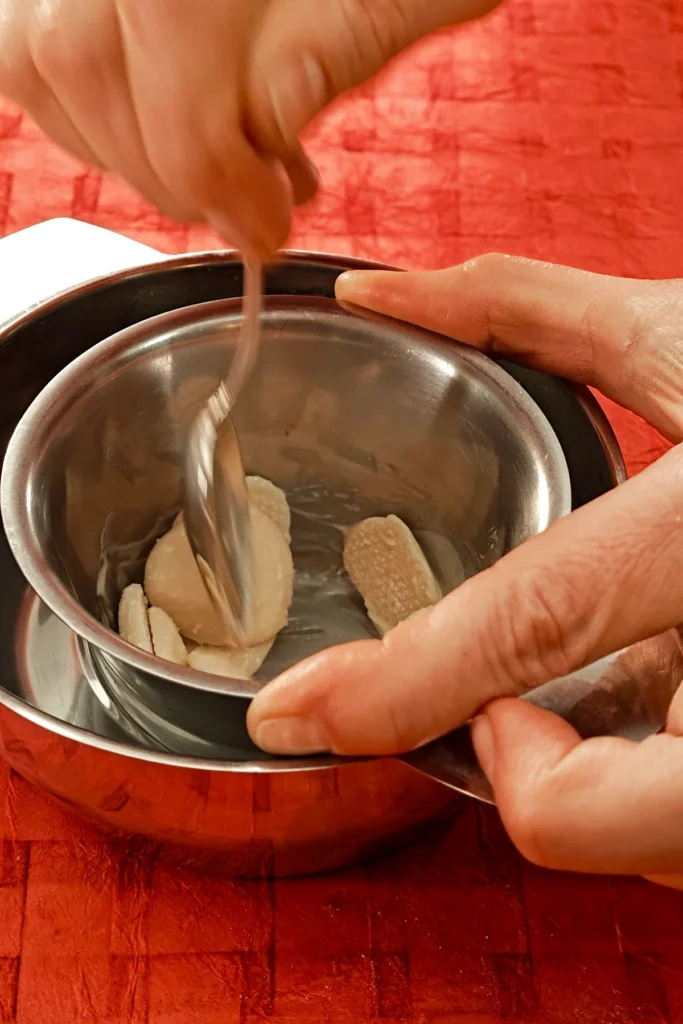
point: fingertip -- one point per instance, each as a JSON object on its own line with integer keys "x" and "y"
{"x": 521, "y": 729}
{"x": 483, "y": 741}
{"x": 526, "y": 742}
{"x": 357, "y": 286}
{"x": 315, "y": 688}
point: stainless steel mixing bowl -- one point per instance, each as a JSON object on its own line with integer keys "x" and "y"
{"x": 353, "y": 415}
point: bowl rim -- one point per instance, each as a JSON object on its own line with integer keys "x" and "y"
{"x": 106, "y": 639}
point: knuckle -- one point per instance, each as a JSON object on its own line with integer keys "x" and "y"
{"x": 536, "y": 633}
{"x": 391, "y": 23}
{"x": 493, "y": 265}
{"x": 61, "y": 57}
{"x": 488, "y": 264}
{"x": 374, "y": 32}
{"x": 19, "y": 80}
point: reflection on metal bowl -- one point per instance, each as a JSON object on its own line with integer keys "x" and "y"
{"x": 68, "y": 729}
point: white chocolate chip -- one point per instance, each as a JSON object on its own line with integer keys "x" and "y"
{"x": 166, "y": 640}
{"x": 229, "y": 661}
{"x": 272, "y": 582}
{"x": 174, "y": 583}
{"x": 272, "y": 501}
{"x": 133, "y": 622}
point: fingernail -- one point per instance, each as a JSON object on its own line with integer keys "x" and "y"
{"x": 349, "y": 283}
{"x": 297, "y": 94}
{"x": 481, "y": 732}
{"x": 291, "y": 736}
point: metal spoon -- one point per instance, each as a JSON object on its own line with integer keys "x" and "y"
{"x": 216, "y": 502}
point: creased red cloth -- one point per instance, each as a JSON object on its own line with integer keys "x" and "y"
{"x": 552, "y": 130}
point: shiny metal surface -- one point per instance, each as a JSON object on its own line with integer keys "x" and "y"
{"x": 60, "y": 731}
{"x": 215, "y": 500}
{"x": 353, "y": 415}
{"x": 626, "y": 694}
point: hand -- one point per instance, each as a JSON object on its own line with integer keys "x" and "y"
{"x": 608, "y": 575}
{"x": 199, "y": 103}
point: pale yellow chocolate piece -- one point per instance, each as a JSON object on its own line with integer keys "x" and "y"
{"x": 273, "y": 580}
{"x": 173, "y": 582}
{"x": 133, "y": 622}
{"x": 229, "y": 662}
{"x": 390, "y": 571}
{"x": 272, "y": 501}
{"x": 166, "y": 640}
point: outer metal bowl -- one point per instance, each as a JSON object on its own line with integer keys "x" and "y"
{"x": 274, "y": 816}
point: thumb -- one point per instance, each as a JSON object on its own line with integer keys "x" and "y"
{"x": 308, "y": 53}
{"x": 595, "y": 582}
{"x": 604, "y": 805}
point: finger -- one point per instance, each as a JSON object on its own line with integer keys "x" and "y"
{"x": 596, "y": 581}
{"x": 303, "y": 59}
{"x": 76, "y": 47}
{"x": 186, "y": 65}
{"x": 602, "y": 805}
{"x": 618, "y": 335}
{"x": 302, "y": 174}
{"x": 674, "y": 722}
{"x": 21, "y": 82}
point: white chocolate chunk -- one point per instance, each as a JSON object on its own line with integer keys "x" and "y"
{"x": 133, "y": 622}
{"x": 388, "y": 568}
{"x": 272, "y": 581}
{"x": 173, "y": 582}
{"x": 229, "y": 661}
{"x": 272, "y": 501}
{"x": 166, "y": 640}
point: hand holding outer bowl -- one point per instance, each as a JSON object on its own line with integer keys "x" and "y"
{"x": 605, "y": 577}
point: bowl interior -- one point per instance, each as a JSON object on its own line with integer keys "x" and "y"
{"x": 352, "y": 415}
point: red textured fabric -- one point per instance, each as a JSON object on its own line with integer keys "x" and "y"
{"x": 553, "y": 130}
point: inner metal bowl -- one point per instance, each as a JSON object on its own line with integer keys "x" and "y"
{"x": 259, "y": 815}
{"x": 353, "y": 415}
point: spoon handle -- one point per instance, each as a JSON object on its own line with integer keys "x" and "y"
{"x": 216, "y": 504}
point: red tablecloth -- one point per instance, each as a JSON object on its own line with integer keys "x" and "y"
{"x": 553, "y": 130}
